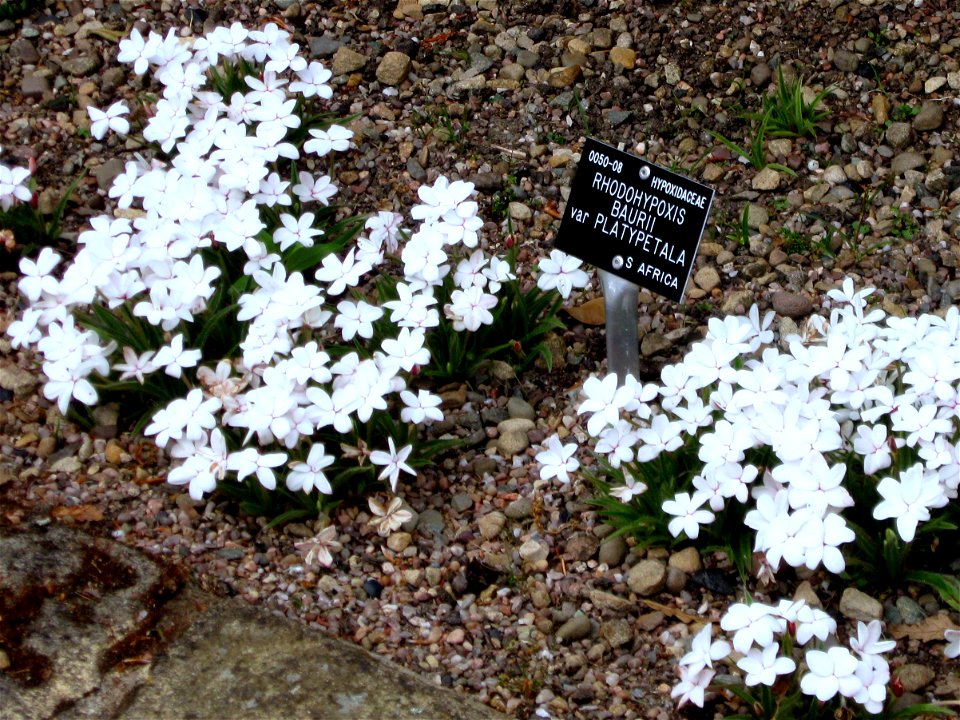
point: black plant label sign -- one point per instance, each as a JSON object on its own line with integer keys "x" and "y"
{"x": 635, "y": 219}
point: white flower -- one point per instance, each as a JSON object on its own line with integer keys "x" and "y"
{"x": 356, "y": 318}
{"x": 952, "y": 650}
{"x": 689, "y": 516}
{"x": 420, "y": 408}
{"x": 110, "y": 119}
{"x": 393, "y": 461}
{"x": 831, "y": 672}
{"x": 868, "y": 642}
{"x": 909, "y": 500}
{"x": 335, "y": 138}
{"x": 250, "y": 461}
{"x": 605, "y": 400}
{"x": 754, "y": 623}
{"x": 703, "y": 653}
{"x": 557, "y": 460}
{"x": 308, "y": 474}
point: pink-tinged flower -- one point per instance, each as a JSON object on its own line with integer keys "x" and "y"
{"x": 629, "y": 490}
{"x": 470, "y": 308}
{"x": 388, "y": 518}
{"x": 763, "y": 666}
{"x": 831, "y": 672}
{"x": 320, "y": 548}
{"x": 561, "y": 272}
{"x": 692, "y": 686}
{"x": 557, "y": 460}
{"x": 393, "y": 461}
{"x": 871, "y": 442}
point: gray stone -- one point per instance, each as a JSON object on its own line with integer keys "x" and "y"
{"x": 676, "y": 580}
{"x": 347, "y": 61}
{"x": 513, "y": 71}
{"x": 907, "y": 161}
{"x": 616, "y": 632}
{"x": 33, "y": 86}
{"x": 17, "y": 380}
{"x": 766, "y": 179}
{"x": 910, "y": 610}
{"x": 576, "y": 628}
{"x": 512, "y": 443}
{"x": 612, "y": 551}
{"x": 528, "y": 59}
{"x": 516, "y": 425}
{"x": 517, "y": 407}
{"x": 687, "y": 560}
{"x": 654, "y": 343}
{"x": 760, "y": 75}
{"x": 846, "y": 61}
{"x": 283, "y": 4}
{"x": 707, "y": 278}
{"x": 80, "y": 66}
{"x": 898, "y": 134}
{"x": 792, "y": 305}
{"x": 416, "y": 169}
{"x": 106, "y": 173}
{"x": 461, "y": 502}
{"x": 519, "y": 211}
{"x": 929, "y": 118}
{"x": 394, "y": 68}
{"x": 914, "y": 676}
{"x": 738, "y": 302}
{"x": 25, "y": 50}
{"x": 491, "y": 524}
{"x": 582, "y": 545}
{"x": 519, "y": 509}
{"x": 484, "y": 466}
{"x": 616, "y": 118}
{"x": 430, "y": 521}
{"x": 647, "y": 577}
{"x": 857, "y": 605}
{"x": 806, "y": 593}
{"x": 324, "y": 46}
{"x": 757, "y": 215}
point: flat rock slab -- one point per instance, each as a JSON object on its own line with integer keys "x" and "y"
{"x": 92, "y": 628}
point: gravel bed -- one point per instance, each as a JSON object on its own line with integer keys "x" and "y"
{"x": 502, "y": 585}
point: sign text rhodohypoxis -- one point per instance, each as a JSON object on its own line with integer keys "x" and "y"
{"x": 635, "y": 219}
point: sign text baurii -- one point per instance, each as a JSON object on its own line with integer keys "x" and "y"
{"x": 635, "y": 219}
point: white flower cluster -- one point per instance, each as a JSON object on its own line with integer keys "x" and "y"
{"x": 284, "y": 386}
{"x": 13, "y": 185}
{"x": 858, "y": 672}
{"x": 851, "y": 384}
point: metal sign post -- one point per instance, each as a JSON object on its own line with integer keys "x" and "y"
{"x": 620, "y": 299}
